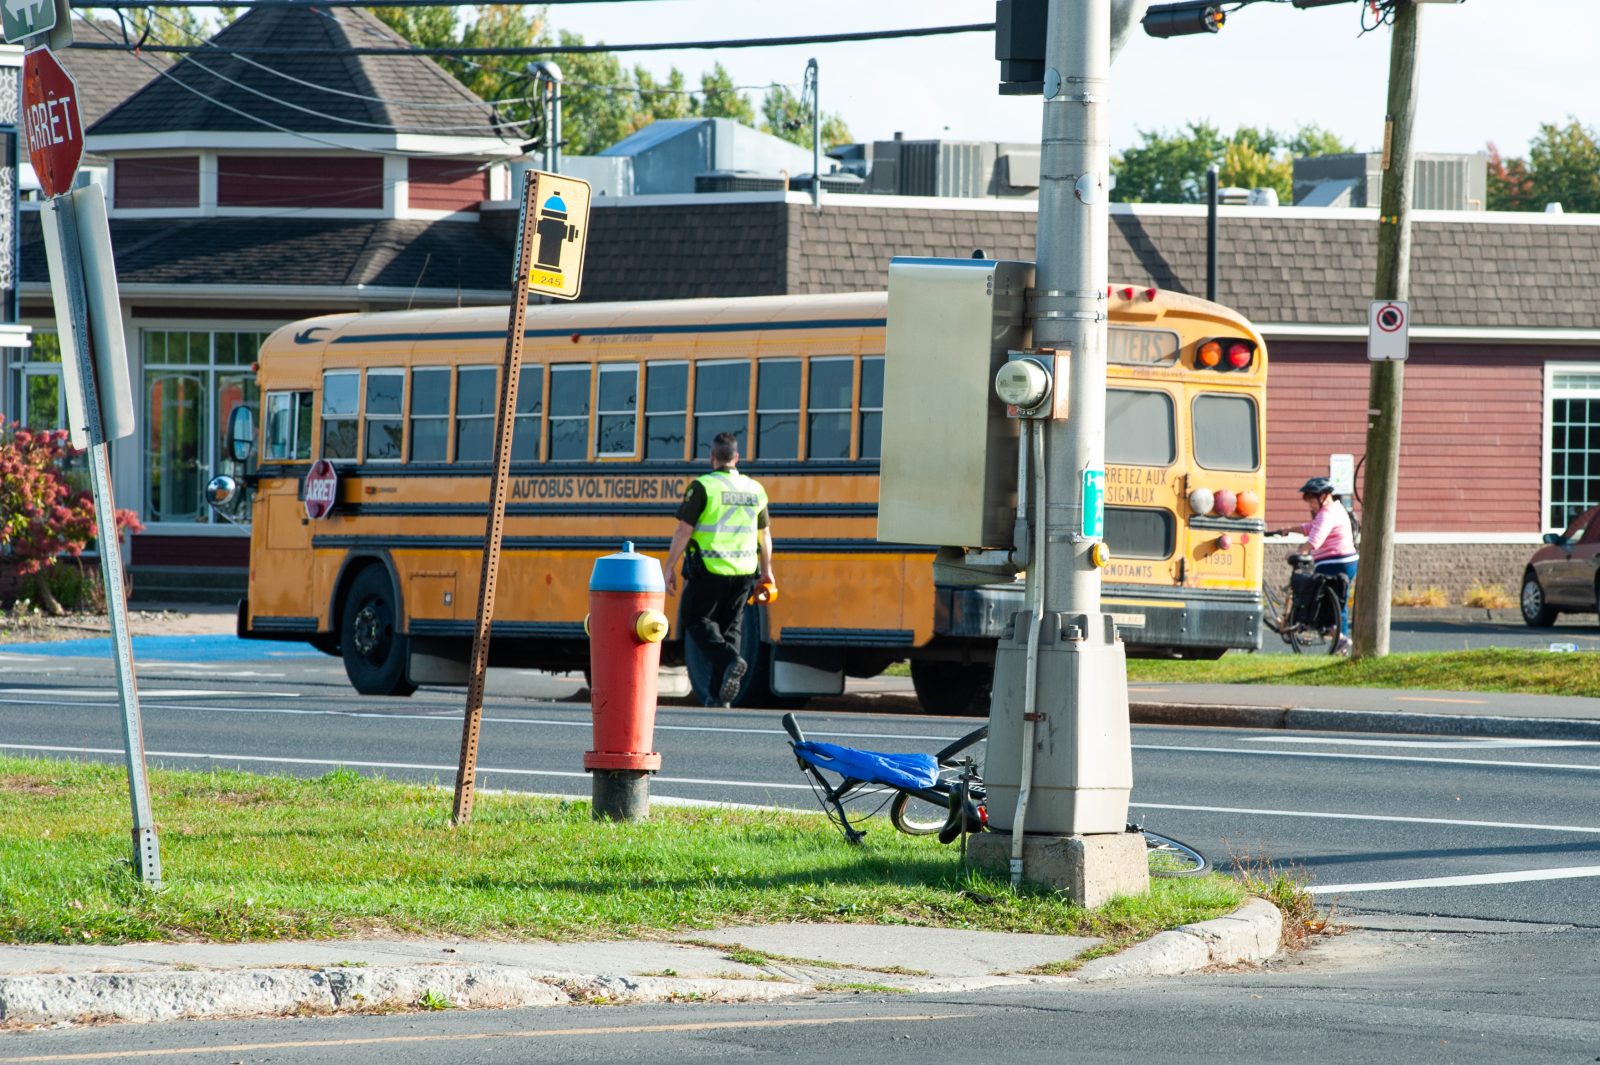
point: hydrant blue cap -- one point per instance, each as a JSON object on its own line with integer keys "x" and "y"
{"x": 626, "y": 571}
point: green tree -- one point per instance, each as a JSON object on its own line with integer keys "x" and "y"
{"x": 669, "y": 98}
{"x": 1510, "y": 184}
{"x": 1565, "y": 164}
{"x": 1171, "y": 167}
{"x": 720, "y": 99}
{"x": 785, "y": 115}
{"x": 160, "y": 24}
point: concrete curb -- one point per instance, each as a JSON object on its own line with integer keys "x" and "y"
{"x": 1249, "y": 934}
{"x": 1316, "y": 719}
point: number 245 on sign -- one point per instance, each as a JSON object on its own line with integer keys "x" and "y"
{"x": 548, "y": 280}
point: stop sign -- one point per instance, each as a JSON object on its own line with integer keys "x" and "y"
{"x": 322, "y": 489}
{"x": 50, "y": 120}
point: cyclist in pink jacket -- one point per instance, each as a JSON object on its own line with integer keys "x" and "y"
{"x": 1331, "y": 541}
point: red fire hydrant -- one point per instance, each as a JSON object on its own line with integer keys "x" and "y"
{"x": 626, "y": 626}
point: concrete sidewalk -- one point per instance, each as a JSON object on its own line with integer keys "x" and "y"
{"x": 53, "y": 985}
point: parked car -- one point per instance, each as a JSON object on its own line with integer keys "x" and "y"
{"x": 1564, "y": 574}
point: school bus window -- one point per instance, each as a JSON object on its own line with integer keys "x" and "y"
{"x": 1139, "y": 428}
{"x": 341, "y": 400}
{"x": 530, "y": 411}
{"x": 615, "y": 407}
{"x": 430, "y": 414}
{"x": 828, "y": 408}
{"x": 569, "y": 413}
{"x": 872, "y": 407}
{"x": 778, "y": 409}
{"x": 475, "y": 405}
{"x": 1225, "y": 433}
{"x": 666, "y": 410}
{"x": 1138, "y": 532}
{"x": 721, "y": 403}
{"x": 288, "y": 428}
{"x": 385, "y": 409}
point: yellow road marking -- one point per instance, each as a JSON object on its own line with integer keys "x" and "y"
{"x": 1426, "y": 699}
{"x": 534, "y": 1033}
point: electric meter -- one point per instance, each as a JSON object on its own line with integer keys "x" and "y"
{"x": 1023, "y": 384}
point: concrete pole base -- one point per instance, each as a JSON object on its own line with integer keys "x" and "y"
{"x": 1090, "y": 870}
{"x": 621, "y": 794}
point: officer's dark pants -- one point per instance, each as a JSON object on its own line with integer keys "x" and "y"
{"x": 713, "y": 606}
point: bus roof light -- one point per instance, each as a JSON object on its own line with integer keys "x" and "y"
{"x": 1150, "y": 294}
{"x": 1127, "y": 293}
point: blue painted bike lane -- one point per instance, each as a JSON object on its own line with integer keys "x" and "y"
{"x": 216, "y": 647}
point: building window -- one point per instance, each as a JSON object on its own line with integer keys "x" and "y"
{"x": 288, "y": 427}
{"x": 341, "y": 403}
{"x": 615, "y": 407}
{"x": 35, "y": 386}
{"x": 666, "y": 410}
{"x": 828, "y": 408}
{"x": 385, "y": 415}
{"x": 569, "y": 413}
{"x": 721, "y": 403}
{"x": 475, "y": 408}
{"x": 430, "y": 414}
{"x": 872, "y": 407}
{"x": 193, "y": 380}
{"x": 167, "y": 181}
{"x": 1573, "y": 400}
{"x": 778, "y": 409}
{"x": 300, "y": 181}
{"x": 530, "y": 410}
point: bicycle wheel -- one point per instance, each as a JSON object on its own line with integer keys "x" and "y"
{"x": 1330, "y": 602}
{"x": 916, "y": 816}
{"x": 1168, "y": 857}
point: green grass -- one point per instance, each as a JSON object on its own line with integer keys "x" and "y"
{"x": 1489, "y": 670}
{"x": 254, "y": 858}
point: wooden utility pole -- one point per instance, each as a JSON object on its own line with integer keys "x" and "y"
{"x": 1375, "y": 577}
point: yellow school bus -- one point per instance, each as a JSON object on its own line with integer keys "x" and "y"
{"x": 617, "y": 406}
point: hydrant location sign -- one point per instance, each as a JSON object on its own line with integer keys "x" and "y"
{"x": 558, "y": 229}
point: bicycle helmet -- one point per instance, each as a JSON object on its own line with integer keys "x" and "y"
{"x": 1316, "y": 486}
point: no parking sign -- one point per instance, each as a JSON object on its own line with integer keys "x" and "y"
{"x": 1388, "y": 330}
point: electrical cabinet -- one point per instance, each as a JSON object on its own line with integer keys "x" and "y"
{"x": 949, "y": 465}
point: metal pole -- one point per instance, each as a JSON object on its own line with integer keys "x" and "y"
{"x": 466, "y": 774}
{"x": 1211, "y": 234}
{"x": 1375, "y": 576}
{"x": 816, "y": 136}
{"x": 146, "y": 844}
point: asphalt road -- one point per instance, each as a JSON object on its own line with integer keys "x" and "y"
{"x": 1409, "y": 635}
{"x": 1488, "y": 829}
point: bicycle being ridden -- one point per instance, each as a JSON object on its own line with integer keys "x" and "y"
{"x": 1330, "y": 541}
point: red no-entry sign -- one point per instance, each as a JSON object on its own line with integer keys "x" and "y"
{"x": 50, "y": 120}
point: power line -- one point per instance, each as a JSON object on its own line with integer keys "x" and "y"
{"x": 577, "y": 49}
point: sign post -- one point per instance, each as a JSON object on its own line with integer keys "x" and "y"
{"x": 555, "y": 213}
{"x": 89, "y": 317}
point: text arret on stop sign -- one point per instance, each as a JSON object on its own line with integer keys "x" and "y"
{"x": 1388, "y": 330}
{"x": 50, "y": 120}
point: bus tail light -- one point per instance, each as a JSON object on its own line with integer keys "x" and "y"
{"x": 1201, "y": 501}
{"x": 1224, "y": 354}
{"x": 1248, "y": 504}
{"x": 1240, "y": 352}
{"x": 1208, "y": 356}
{"x": 1223, "y": 500}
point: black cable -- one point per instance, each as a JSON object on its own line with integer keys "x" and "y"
{"x": 573, "y": 49}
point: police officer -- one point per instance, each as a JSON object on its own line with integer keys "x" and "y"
{"x": 723, "y": 537}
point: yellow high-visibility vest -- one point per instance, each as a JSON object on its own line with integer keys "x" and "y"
{"x": 726, "y": 534}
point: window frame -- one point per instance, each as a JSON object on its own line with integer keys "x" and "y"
{"x": 600, "y": 413}
{"x": 587, "y": 415}
{"x": 695, "y": 413}
{"x": 849, "y": 411}
{"x": 291, "y": 395}
{"x": 683, "y": 413}
{"x": 862, "y": 410}
{"x": 519, "y": 418}
{"x": 322, "y": 414}
{"x": 798, "y": 410}
{"x": 412, "y": 417}
{"x": 457, "y": 418}
{"x": 1553, "y": 370}
{"x": 1172, "y": 429}
{"x": 399, "y": 416}
{"x": 1255, "y": 430}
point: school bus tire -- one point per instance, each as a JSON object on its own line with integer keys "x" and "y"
{"x": 958, "y": 688}
{"x": 374, "y": 649}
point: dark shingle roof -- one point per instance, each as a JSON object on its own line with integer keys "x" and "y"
{"x": 1284, "y": 267}
{"x": 105, "y": 79}
{"x": 351, "y": 94}
{"x": 383, "y": 253}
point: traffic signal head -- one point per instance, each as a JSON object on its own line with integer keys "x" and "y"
{"x": 1182, "y": 19}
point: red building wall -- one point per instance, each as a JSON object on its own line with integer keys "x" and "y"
{"x": 447, "y": 184}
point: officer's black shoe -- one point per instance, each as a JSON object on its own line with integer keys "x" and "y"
{"x": 732, "y": 675}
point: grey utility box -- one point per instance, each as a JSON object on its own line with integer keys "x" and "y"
{"x": 949, "y": 467}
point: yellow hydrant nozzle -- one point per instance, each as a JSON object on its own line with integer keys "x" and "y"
{"x": 651, "y": 626}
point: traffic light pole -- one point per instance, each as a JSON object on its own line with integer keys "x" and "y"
{"x": 1059, "y": 765}
{"x": 1375, "y": 575}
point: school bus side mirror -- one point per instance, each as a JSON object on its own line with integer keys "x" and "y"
{"x": 241, "y": 438}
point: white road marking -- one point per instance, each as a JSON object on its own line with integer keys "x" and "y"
{"x": 1461, "y": 744}
{"x": 337, "y": 762}
{"x": 208, "y": 667}
{"x": 1472, "y": 880}
{"x": 1389, "y": 818}
{"x": 1350, "y": 757}
{"x": 148, "y": 693}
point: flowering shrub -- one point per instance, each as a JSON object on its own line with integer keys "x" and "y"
{"x": 43, "y": 518}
